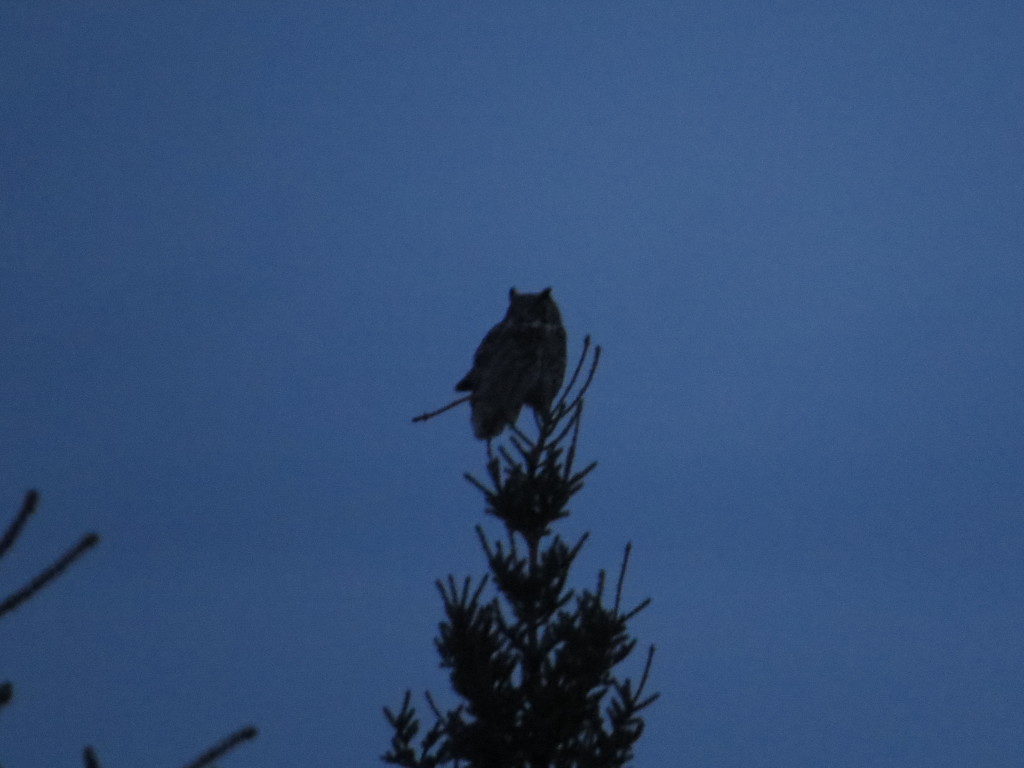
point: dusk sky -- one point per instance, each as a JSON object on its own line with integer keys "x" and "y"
{"x": 242, "y": 244}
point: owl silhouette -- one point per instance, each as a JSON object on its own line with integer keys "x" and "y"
{"x": 521, "y": 361}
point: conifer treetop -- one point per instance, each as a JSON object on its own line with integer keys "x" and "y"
{"x": 532, "y": 660}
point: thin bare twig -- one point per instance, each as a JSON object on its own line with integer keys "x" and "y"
{"x": 643, "y": 682}
{"x": 28, "y": 506}
{"x": 232, "y": 741}
{"x": 45, "y": 577}
{"x": 579, "y": 365}
{"x": 439, "y": 411}
{"x": 622, "y": 576}
{"x": 586, "y": 382}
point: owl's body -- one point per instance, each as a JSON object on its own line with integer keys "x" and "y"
{"x": 521, "y": 361}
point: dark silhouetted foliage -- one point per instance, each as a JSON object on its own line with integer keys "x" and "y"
{"x": 532, "y": 660}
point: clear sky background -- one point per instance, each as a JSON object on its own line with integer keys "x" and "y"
{"x": 242, "y": 244}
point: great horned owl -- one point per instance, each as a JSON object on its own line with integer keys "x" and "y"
{"x": 521, "y": 361}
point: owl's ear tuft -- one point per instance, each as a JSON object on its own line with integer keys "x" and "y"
{"x": 546, "y": 293}
{"x": 512, "y": 293}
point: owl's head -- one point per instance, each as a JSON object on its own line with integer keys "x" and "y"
{"x": 532, "y": 307}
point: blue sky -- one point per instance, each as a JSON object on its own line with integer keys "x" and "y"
{"x": 240, "y": 246}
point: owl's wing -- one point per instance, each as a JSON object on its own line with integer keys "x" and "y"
{"x": 481, "y": 358}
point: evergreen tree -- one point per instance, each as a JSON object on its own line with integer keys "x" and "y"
{"x": 534, "y": 662}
